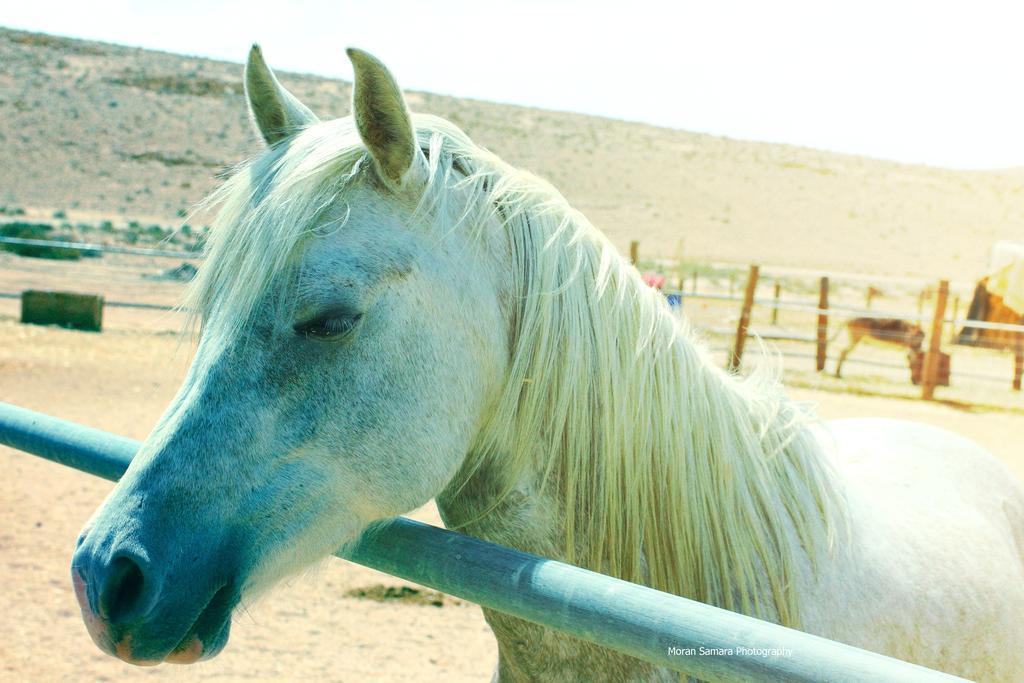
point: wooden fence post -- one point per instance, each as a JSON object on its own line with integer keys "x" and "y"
{"x": 775, "y": 307}
{"x": 634, "y": 252}
{"x": 822, "y": 353}
{"x": 931, "y": 359}
{"x": 695, "y": 282}
{"x": 1018, "y": 360}
{"x": 744, "y": 323}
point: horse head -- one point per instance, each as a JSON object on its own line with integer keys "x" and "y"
{"x": 351, "y": 344}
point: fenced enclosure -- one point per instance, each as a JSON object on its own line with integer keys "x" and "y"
{"x": 803, "y": 318}
{"x": 143, "y": 279}
{"x": 666, "y": 630}
{"x": 800, "y": 314}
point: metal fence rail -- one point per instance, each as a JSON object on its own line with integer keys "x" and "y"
{"x": 102, "y": 248}
{"x": 117, "y": 304}
{"x": 851, "y": 311}
{"x": 638, "y": 621}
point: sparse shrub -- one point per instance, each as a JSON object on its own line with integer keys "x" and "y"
{"x": 106, "y": 226}
{"x": 155, "y": 232}
{"x": 29, "y": 231}
{"x": 35, "y": 231}
{"x": 181, "y": 213}
{"x": 61, "y": 214}
{"x": 190, "y": 84}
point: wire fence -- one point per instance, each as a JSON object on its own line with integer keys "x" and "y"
{"x": 134, "y": 279}
{"x": 130, "y": 278}
{"x": 117, "y": 304}
{"x": 851, "y": 311}
{"x": 929, "y": 364}
{"x": 101, "y": 248}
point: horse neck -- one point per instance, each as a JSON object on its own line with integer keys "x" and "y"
{"x": 520, "y": 507}
{"x": 620, "y": 446}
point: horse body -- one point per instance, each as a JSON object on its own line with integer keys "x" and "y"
{"x": 391, "y": 314}
{"x": 989, "y": 307}
{"x": 895, "y": 584}
{"x": 933, "y": 571}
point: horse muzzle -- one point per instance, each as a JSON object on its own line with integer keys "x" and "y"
{"x": 144, "y": 613}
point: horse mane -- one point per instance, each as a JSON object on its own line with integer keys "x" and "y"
{"x": 669, "y": 471}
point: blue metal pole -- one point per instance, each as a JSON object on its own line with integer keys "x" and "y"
{"x": 665, "y": 630}
{"x": 84, "y": 448}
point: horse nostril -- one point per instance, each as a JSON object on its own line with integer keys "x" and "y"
{"x": 124, "y": 591}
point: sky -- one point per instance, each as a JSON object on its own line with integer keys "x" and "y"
{"x": 920, "y": 82}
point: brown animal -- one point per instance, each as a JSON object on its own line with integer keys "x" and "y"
{"x": 871, "y": 294}
{"x": 892, "y": 331}
{"x": 988, "y": 307}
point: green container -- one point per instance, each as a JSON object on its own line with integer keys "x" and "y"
{"x": 67, "y": 309}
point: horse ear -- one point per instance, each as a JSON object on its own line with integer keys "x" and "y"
{"x": 384, "y": 123}
{"x": 276, "y": 113}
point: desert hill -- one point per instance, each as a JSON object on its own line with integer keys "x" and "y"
{"x": 104, "y": 131}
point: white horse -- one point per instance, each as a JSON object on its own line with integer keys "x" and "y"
{"x": 391, "y": 314}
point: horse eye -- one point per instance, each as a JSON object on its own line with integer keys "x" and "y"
{"x": 330, "y": 326}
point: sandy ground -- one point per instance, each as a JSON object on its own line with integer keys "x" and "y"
{"x": 121, "y": 380}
